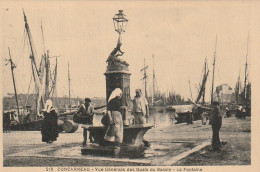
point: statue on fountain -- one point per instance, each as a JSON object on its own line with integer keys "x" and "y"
{"x": 114, "y": 62}
{"x": 118, "y": 122}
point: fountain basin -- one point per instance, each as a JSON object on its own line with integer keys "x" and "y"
{"x": 133, "y": 134}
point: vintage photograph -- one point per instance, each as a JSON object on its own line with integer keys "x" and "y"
{"x": 104, "y": 84}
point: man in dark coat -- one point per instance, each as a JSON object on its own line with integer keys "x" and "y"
{"x": 216, "y": 122}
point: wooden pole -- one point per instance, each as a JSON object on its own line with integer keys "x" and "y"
{"x": 246, "y": 70}
{"x": 213, "y": 73}
{"x": 190, "y": 92}
{"x": 12, "y": 68}
{"x": 153, "y": 82}
{"x": 69, "y": 86}
{"x": 145, "y": 79}
{"x": 205, "y": 73}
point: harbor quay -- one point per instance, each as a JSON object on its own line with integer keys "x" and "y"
{"x": 150, "y": 130}
{"x": 167, "y": 141}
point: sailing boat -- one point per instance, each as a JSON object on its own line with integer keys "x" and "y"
{"x": 184, "y": 110}
{"x": 45, "y": 84}
{"x": 153, "y": 100}
{"x": 200, "y": 107}
{"x": 247, "y": 85}
{"x": 243, "y": 95}
{"x": 204, "y": 80}
{"x": 203, "y": 85}
{"x": 156, "y": 101}
{"x": 238, "y": 96}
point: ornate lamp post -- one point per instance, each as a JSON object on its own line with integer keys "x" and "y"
{"x": 117, "y": 73}
{"x": 120, "y": 22}
{"x": 118, "y": 76}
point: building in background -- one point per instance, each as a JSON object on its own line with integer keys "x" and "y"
{"x": 224, "y": 94}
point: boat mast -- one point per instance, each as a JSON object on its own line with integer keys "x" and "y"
{"x": 34, "y": 66}
{"x": 246, "y": 70}
{"x": 12, "y": 70}
{"x": 205, "y": 75}
{"x": 30, "y": 41}
{"x": 214, "y": 62}
{"x": 190, "y": 92}
{"x": 54, "y": 93}
{"x": 47, "y": 67}
{"x": 153, "y": 82}
{"x": 237, "y": 91}
{"x": 47, "y": 79}
{"x": 145, "y": 79}
{"x": 43, "y": 40}
{"x": 201, "y": 91}
{"x": 69, "y": 86}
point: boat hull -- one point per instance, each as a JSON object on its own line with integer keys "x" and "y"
{"x": 30, "y": 126}
{"x": 34, "y": 126}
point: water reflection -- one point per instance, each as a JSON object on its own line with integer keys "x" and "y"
{"x": 159, "y": 119}
{"x": 156, "y": 148}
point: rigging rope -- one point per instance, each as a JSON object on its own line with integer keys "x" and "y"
{"x": 20, "y": 53}
{"x": 20, "y": 76}
{"x": 3, "y": 83}
{"x": 28, "y": 91}
{"x": 202, "y": 74}
{"x": 218, "y": 76}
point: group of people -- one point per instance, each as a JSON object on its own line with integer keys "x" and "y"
{"x": 85, "y": 115}
{"x": 241, "y": 112}
{"x": 113, "y": 120}
{"x": 12, "y": 117}
{"x": 114, "y": 126}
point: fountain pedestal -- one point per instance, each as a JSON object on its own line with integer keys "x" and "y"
{"x": 118, "y": 79}
{"x": 118, "y": 76}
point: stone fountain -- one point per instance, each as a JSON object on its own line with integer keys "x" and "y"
{"x": 118, "y": 76}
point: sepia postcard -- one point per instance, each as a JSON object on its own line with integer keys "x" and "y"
{"x": 128, "y": 86}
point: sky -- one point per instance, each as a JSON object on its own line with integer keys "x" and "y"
{"x": 180, "y": 35}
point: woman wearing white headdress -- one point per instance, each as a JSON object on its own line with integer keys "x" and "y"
{"x": 50, "y": 130}
{"x": 114, "y": 131}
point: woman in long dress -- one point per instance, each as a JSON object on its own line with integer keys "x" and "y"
{"x": 114, "y": 132}
{"x": 50, "y": 130}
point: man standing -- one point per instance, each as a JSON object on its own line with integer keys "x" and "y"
{"x": 86, "y": 112}
{"x": 189, "y": 118}
{"x": 7, "y": 121}
{"x": 216, "y": 122}
{"x": 141, "y": 109}
{"x": 204, "y": 118}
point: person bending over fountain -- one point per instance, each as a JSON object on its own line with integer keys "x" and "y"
{"x": 114, "y": 132}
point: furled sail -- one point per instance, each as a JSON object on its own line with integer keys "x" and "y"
{"x": 42, "y": 76}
